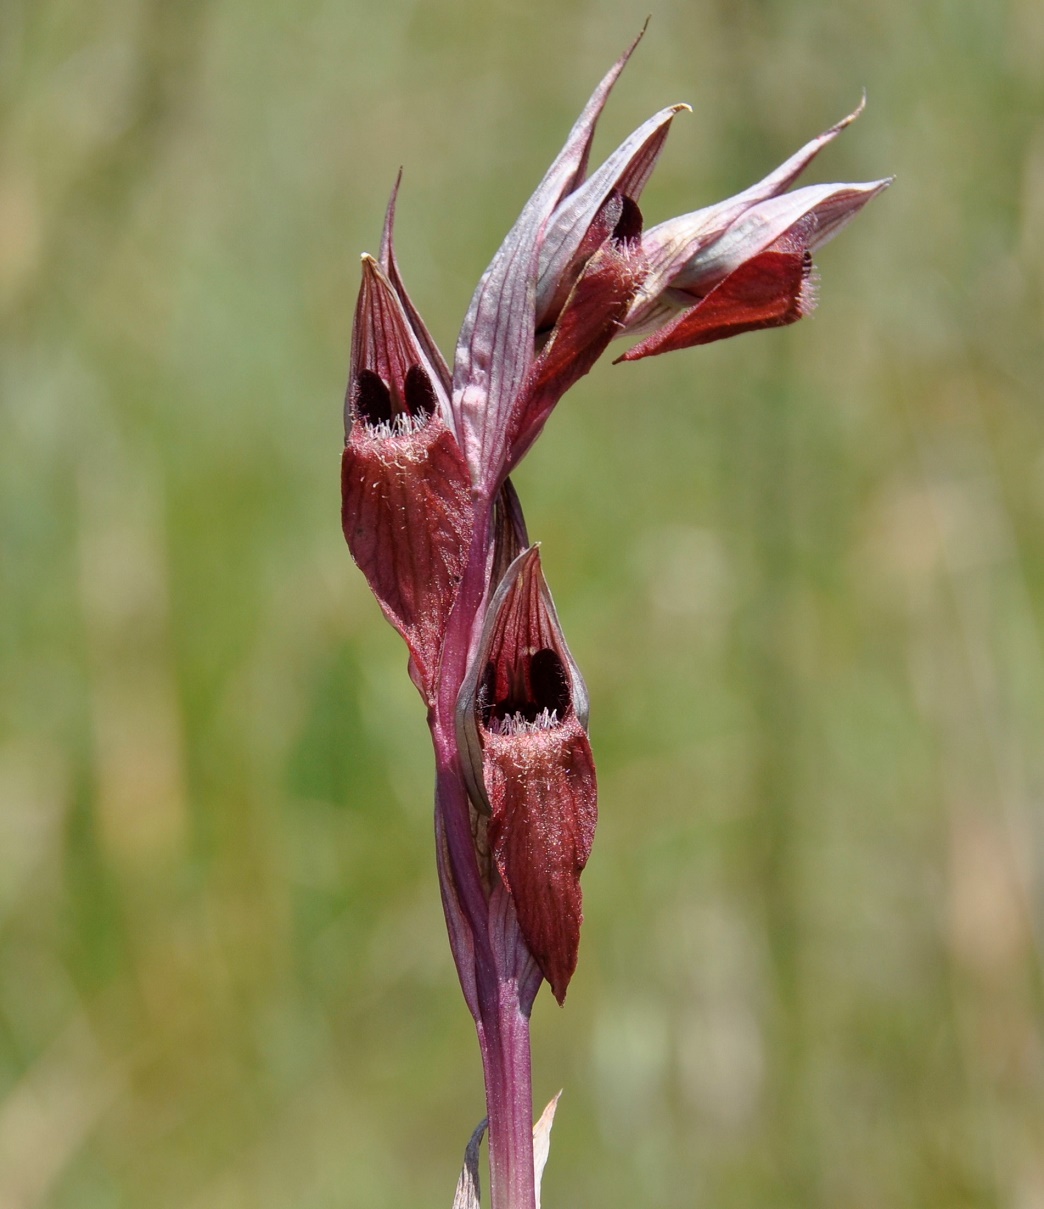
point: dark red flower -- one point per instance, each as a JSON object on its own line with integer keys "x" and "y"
{"x": 522, "y": 731}
{"x": 405, "y": 489}
{"x": 744, "y": 263}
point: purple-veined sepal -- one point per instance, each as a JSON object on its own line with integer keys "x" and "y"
{"x": 623, "y": 175}
{"x": 389, "y": 263}
{"x": 532, "y": 276}
{"x": 392, "y": 377}
{"x": 670, "y": 245}
{"x": 510, "y": 535}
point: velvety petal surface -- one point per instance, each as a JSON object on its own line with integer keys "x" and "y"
{"x": 541, "y": 785}
{"x": 407, "y": 517}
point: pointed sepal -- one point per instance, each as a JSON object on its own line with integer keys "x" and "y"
{"x": 817, "y": 212}
{"x": 623, "y": 174}
{"x": 388, "y": 262}
{"x": 385, "y": 346}
{"x": 510, "y": 536}
{"x": 689, "y": 256}
{"x": 673, "y": 242}
{"x": 532, "y": 273}
{"x": 495, "y": 345}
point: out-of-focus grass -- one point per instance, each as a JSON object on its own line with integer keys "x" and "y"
{"x": 803, "y": 572}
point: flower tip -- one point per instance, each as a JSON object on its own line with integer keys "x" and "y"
{"x": 527, "y": 557}
{"x": 389, "y": 216}
{"x": 638, "y": 37}
{"x": 386, "y": 255}
{"x": 874, "y": 189}
{"x": 372, "y": 273}
{"x": 845, "y": 122}
{"x": 622, "y": 61}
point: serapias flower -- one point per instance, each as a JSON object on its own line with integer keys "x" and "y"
{"x": 743, "y": 264}
{"x": 406, "y": 504}
{"x": 522, "y": 731}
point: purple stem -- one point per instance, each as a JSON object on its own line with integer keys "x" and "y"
{"x": 503, "y": 1033}
{"x": 497, "y": 974}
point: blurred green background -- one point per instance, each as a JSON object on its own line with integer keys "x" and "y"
{"x": 803, "y": 572}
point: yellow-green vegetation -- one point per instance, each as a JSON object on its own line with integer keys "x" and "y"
{"x": 803, "y": 573}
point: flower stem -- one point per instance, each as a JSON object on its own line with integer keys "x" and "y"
{"x": 497, "y": 973}
{"x": 500, "y": 980}
{"x": 503, "y": 1034}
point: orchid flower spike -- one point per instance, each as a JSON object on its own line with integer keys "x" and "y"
{"x": 433, "y": 521}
